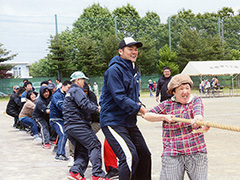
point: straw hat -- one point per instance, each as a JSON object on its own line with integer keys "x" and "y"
{"x": 177, "y": 81}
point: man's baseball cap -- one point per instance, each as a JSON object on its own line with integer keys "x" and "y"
{"x": 129, "y": 41}
{"x": 16, "y": 87}
{"x": 51, "y": 85}
{"x": 78, "y": 74}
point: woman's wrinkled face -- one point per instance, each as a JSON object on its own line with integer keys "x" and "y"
{"x": 182, "y": 93}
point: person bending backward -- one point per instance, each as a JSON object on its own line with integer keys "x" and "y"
{"x": 76, "y": 108}
{"x": 183, "y": 150}
{"x": 120, "y": 104}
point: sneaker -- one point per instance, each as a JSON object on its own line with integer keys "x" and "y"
{"x": 61, "y": 158}
{"x": 37, "y": 138}
{"x": 112, "y": 173}
{"x": 99, "y": 178}
{"x": 74, "y": 176}
{"x": 46, "y": 146}
{"x": 54, "y": 142}
{"x": 71, "y": 161}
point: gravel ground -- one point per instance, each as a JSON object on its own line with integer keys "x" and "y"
{"x": 22, "y": 158}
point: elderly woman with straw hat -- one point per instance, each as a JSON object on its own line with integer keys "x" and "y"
{"x": 183, "y": 150}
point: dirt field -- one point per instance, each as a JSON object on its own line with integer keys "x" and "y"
{"x": 22, "y": 158}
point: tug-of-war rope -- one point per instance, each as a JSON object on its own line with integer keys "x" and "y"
{"x": 209, "y": 124}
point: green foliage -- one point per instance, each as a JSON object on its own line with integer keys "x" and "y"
{"x": 146, "y": 61}
{"x": 43, "y": 68}
{"x": 60, "y": 57}
{"x": 108, "y": 50}
{"x": 193, "y": 46}
{"x": 235, "y": 54}
{"x": 168, "y": 58}
{"x": 5, "y": 56}
{"x": 87, "y": 57}
{"x": 92, "y": 43}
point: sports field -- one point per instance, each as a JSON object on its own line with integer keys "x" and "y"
{"x": 24, "y": 159}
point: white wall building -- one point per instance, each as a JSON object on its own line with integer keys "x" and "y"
{"x": 19, "y": 70}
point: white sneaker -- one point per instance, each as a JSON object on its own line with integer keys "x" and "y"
{"x": 71, "y": 161}
{"x": 37, "y": 138}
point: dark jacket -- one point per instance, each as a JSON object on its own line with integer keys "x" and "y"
{"x": 76, "y": 108}
{"x": 14, "y": 106}
{"x": 120, "y": 94}
{"x": 42, "y": 105}
{"x": 162, "y": 88}
{"x": 56, "y": 105}
{"x": 93, "y": 98}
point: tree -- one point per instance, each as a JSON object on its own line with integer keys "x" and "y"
{"x": 5, "y": 56}
{"x": 87, "y": 57}
{"x": 60, "y": 57}
{"x": 147, "y": 57}
{"x": 168, "y": 58}
{"x": 235, "y": 54}
{"x": 193, "y": 46}
{"x": 127, "y": 21}
{"x": 108, "y": 50}
{"x": 43, "y": 68}
{"x": 190, "y": 48}
{"x": 96, "y": 22}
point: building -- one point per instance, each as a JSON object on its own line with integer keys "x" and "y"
{"x": 19, "y": 70}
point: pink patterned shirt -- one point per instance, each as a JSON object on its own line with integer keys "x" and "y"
{"x": 178, "y": 138}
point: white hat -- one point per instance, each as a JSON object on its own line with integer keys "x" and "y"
{"x": 78, "y": 74}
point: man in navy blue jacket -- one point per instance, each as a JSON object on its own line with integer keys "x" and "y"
{"x": 56, "y": 119}
{"x": 120, "y": 104}
{"x": 76, "y": 110}
{"x": 41, "y": 114}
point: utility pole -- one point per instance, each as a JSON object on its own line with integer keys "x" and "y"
{"x": 56, "y": 25}
{"x": 169, "y": 32}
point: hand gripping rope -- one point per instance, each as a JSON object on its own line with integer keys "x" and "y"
{"x": 209, "y": 124}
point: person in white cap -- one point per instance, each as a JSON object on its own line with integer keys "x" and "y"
{"x": 76, "y": 109}
{"x": 120, "y": 104}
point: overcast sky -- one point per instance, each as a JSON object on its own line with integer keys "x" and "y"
{"x": 26, "y": 25}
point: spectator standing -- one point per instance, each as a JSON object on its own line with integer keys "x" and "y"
{"x": 207, "y": 86}
{"x": 202, "y": 86}
{"x": 56, "y": 119}
{"x": 76, "y": 110}
{"x": 95, "y": 88}
{"x": 150, "y": 87}
{"x": 25, "y": 115}
{"x": 183, "y": 150}
{"x": 154, "y": 86}
{"x": 59, "y": 83}
{"x": 162, "y": 85}
{"x": 41, "y": 114}
{"x": 120, "y": 104}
